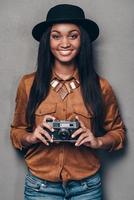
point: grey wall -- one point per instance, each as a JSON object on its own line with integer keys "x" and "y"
{"x": 115, "y": 61}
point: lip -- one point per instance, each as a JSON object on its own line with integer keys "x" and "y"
{"x": 65, "y": 52}
{"x": 65, "y": 49}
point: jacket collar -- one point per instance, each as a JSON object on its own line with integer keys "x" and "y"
{"x": 75, "y": 76}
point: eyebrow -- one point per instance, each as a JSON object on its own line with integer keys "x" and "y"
{"x": 69, "y": 31}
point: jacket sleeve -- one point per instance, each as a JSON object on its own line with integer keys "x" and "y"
{"x": 113, "y": 123}
{"x": 18, "y": 127}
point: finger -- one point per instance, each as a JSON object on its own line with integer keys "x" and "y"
{"x": 42, "y": 139}
{"x": 40, "y": 130}
{"x": 48, "y": 117}
{"x": 85, "y": 141}
{"x": 47, "y": 136}
{"x": 37, "y": 131}
{"x": 77, "y": 132}
{"x": 81, "y": 123}
{"x": 82, "y": 136}
{"x": 47, "y": 126}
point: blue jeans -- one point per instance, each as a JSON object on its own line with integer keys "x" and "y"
{"x": 85, "y": 189}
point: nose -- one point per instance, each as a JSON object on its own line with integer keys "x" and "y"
{"x": 65, "y": 43}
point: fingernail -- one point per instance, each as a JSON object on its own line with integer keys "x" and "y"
{"x": 51, "y": 140}
{"x": 52, "y": 130}
{"x": 72, "y": 136}
{"x": 47, "y": 144}
{"x": 76, "y": 144}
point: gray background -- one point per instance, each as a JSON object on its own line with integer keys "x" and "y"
{"x": 115, "y": 61}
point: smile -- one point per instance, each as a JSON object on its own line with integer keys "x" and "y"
{"x": 65, "y": 52}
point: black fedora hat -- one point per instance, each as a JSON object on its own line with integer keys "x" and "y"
{"x": 66, "y": 13}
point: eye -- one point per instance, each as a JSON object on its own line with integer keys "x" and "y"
{"x": 55, "y": 36}
{"x": 73, "y": 36}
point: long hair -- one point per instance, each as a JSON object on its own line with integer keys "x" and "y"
{"x": 90, "y": 84}
{"x": 89, "y": 81}
{"x": 41, "y": 82}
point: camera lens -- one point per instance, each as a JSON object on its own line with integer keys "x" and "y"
{"x": 64, "y": 134}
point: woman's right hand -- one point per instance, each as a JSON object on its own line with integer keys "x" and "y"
{"x": 40, "y": 134}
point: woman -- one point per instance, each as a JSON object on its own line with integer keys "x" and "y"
{"x": 65, "y": 87}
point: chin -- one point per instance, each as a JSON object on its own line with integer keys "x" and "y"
{"x": 65, "y": 59}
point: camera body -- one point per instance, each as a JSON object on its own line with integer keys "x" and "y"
{"x": 63, "y": 129}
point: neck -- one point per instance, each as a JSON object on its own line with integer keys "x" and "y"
{"x": 64, "y": 70}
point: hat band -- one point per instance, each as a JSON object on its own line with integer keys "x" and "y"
{"x": 65, "y": 19}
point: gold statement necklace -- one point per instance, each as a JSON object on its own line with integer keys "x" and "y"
{"x": 64, "y": 87}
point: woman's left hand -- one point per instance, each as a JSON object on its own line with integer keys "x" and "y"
{"x": 85, "y": 137}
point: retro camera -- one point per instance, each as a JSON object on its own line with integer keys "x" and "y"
{"x": 63, "y": 129}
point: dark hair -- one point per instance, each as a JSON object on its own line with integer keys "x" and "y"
{"x": 90, "y": 83}
{"x": 89, "y": 80}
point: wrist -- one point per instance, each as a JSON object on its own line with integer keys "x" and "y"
{"x": 27, "y": 140}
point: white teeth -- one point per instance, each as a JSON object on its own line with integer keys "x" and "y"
{"x": 66, "y": 52}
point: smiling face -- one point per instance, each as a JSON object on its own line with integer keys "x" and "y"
{"x": 65, "y": 42}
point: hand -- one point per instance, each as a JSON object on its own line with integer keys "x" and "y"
{"x": 86, "y": 137}
{"x": 40, "y": 134}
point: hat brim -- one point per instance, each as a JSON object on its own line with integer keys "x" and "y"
{"x": 90, "y": 26}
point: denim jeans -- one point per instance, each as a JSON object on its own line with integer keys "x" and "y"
{"x": 86, "y": 189}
